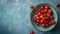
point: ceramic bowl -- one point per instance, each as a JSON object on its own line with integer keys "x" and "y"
{"x": 40, "y": 28}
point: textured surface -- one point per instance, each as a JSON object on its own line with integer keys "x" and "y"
{"x": 15, "y": 16}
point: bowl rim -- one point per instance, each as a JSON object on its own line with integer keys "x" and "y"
{"x": 33, "y": 11}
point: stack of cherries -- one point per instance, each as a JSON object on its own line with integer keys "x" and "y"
{"x": 44, "y": 16}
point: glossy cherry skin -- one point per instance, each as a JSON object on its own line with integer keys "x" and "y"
{"x": 51, "y": 17}
{"x": 38, "y": 21}
{"x": 39, "y": 13}
{"x": 46, "y": 7}
{"x": 37, "y": 17}
{"x": 44, "y": 15}
{"x": 41, "y": 7}
{"x": 31, "y": 6}
{"x": 35, "y": 20}
{"x": 46, "y": 18}
{"x": 47, "y": 25}
{"x": 38, "y": 24}
{"x": 31, "y": 32}
{"x": 53, "y": 22}
{"x": 50, "y": 23}
{"x": 42, "y": 21}
{"x": 40, "y": 16}
{"x": 35, "y": 12}
{"x": 43, "y": 18}
{"x": 45, "y": 10}
{"x": 57, "y": 5}
{"x": 50, "y": 11}
{"x": 43, "y": 25}
{"x": 42, "y": 11}
{"x": 48, "y": 15}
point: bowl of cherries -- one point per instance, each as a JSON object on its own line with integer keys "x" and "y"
{"x": 44, "y": 17}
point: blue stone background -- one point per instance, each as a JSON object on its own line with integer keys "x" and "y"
{"x": 15, "y": 16}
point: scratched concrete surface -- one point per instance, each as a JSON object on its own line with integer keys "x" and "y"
{"x": 15, "y": 16}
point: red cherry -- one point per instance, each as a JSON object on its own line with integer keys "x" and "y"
{"x": 47, "y": 7}
{"x": 47, "y": 25}
{"x": 31, "y": 6}
{"x": 47, "y": 18}
{"x": 42, "y": 11}
{"x": 43, "y": 25}
{"x": 44, "y": 18}
{"x": 42, "y": 21}
{"x": 31, "y": 32}
{"x": 44, "y": 15}
{"x": 39, "y": 13}
{"x": 36, "y": 12}
{"x": 50, "y": 11}
{"x": 38, "y": 24}
{"x": 41, "y": 16}
{"x": 51, "y": 17}
{"x": 36, "y": 15}
{"x": 48, "y": 15}
{"x": 45, "y": 22}
{"x": 45, "y": 10}
{"x": 41, "y": 7}
{"x": 35, "y": 19}
{"x": 57, "y": 4}
{"x": 38, "y": 21}
{"x": 53, "y": 22}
